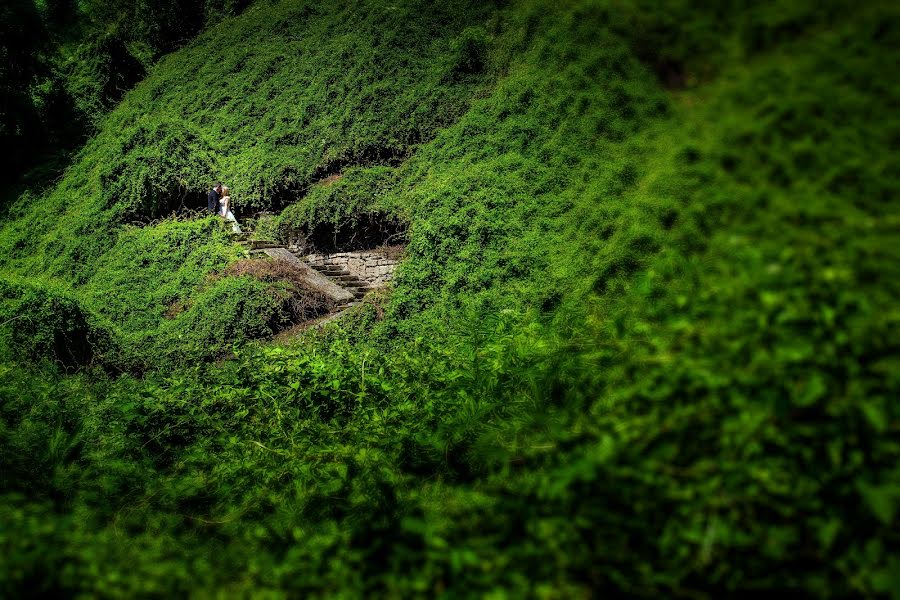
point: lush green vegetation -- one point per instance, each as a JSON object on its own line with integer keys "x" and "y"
{"x": 644, "y": 339}
{"x": 65, "y": 63}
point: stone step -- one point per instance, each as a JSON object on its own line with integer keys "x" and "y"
{"x": 312, "y": 278}
{"x": 258, "y": 244}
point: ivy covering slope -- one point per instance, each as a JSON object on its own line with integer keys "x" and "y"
{"x": 269, "y": 102}
{"x": 644, "y": 339}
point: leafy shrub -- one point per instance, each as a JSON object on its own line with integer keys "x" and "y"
{"x": 224, "y": 314}
{"x": 169, "y": 290}
{"x": 350, "y": 212}
{"x": 302, "y": 303}
{"x": 97, "y": 75}
{"x": 470, "y": 52}
{"x": 160, "y": 168}
{"x": 42, "y": 322}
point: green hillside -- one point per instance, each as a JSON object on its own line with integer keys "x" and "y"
{"x": 643, "y": 339}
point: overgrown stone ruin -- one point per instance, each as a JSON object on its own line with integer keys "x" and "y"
{"x": 363, "y": 252}
{"x": 341, "y": 263}
{"x": 374, "y": 267}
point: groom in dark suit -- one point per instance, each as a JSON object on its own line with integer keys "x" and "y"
{"x": 212, "y": 198}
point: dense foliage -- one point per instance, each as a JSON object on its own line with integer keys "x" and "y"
{"x": 65, "y": 63}
{"x": 272, "y": 132}
{"x": 643, "y": 340}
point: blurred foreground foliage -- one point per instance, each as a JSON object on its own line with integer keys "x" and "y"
{"x": 643, "y": 341}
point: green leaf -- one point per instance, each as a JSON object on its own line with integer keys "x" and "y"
{"x": 814, "y": 389}
{"x": 828, "y": 532}
{"x": 882, "y": 500}
{"x": 875, "y": 415}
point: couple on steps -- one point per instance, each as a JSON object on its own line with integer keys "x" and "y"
{"x": 219, "y": 202}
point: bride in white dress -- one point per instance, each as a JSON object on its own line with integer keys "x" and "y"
{"x": 225, "y": 210}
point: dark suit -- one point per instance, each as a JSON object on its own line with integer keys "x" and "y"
{"x": 212, "y": 201}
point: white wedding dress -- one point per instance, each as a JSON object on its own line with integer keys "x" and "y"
{"x": 228, "y": 215}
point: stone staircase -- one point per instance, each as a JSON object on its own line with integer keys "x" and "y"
{"x": 346, "y": 280}
{"x": 344, "y": 277}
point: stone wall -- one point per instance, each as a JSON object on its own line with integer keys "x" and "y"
{"x": 371, "y": 267}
